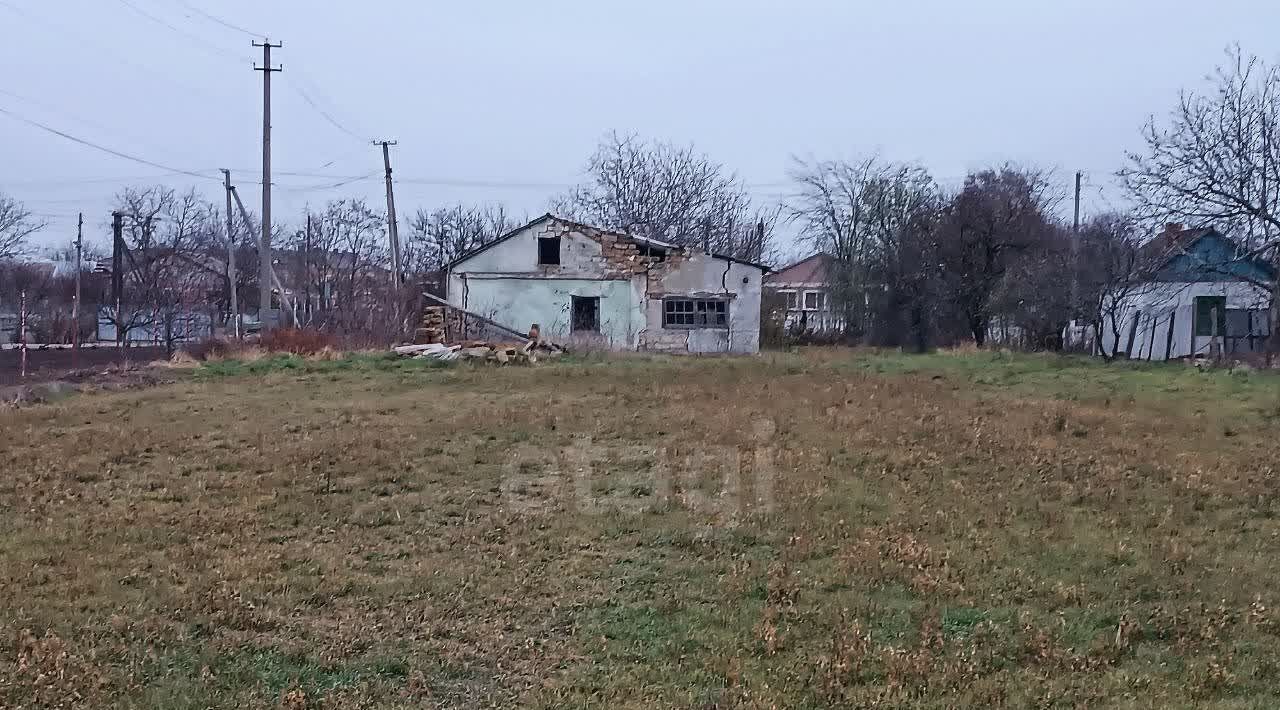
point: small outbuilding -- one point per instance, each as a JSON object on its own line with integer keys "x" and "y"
{"x": 1202, "y": 295}
{"x": 595, "y": 287}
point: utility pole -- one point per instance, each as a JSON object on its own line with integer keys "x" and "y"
{"x": 271, "y": 270}
{"x": 264, "y": 246}
{"x": 306, "y": 268}
{"x": 117, "y": 272}
{"x": 1075, "y": 259}
{"x": 393, "y": 226}
{"x": 22, "y": 332}
{"x": 1079, "y": 178}
{"x": 75, "y": 305}
{"x": 231, "y": 257}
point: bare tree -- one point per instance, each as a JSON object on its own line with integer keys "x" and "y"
{"x": 876, "y": 219}
{"x": 997, "y": 216}
{"x": 168, "y": 276}
{"x": 1216, "y": 159}
{"x": 16, "y": 225}
{"x": 1109, "y": 271}
{"x": 1033, "y": 298}
{"x": 343, "y": 267}
{"x": 439, "y": 236}
{"x": 672, "y": 194}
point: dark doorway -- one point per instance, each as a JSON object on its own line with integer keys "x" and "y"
{"x": 586, "y": 314}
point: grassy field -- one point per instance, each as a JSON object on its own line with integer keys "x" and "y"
{"x": 807, "y": 529}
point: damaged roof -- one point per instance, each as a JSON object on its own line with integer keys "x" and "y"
{"x": 810, "y": 270}
{"x": 646, "y": 241}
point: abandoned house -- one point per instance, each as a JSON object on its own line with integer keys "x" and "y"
{"x": 597, "y": 288}
{"x": 804, "y": 290}
{"x": 1201, "y": 295}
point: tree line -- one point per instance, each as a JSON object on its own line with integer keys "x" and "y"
{"x": 916, "y": 264}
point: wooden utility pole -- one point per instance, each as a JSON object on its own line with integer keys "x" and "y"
{"x": 393, "y": 226}
{"x": 117, "y": 255}
{"x": 1076, "y": 223}
{"x": 22, "y": 333}
{"x": 306, "y": 269}
{"x": 117, "y": 273}
{"x": 75, "y": 305}
{"x": 231, "y": 257}
{"x": 1075, "y": 257}
{"x": 264, "y": 246}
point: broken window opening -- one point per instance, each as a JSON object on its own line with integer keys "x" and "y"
{"x": 695, "y": 313}
{"x": 549, "y": 251}
{"x": 656, "y": 253}
{"x": 585, "y": 314}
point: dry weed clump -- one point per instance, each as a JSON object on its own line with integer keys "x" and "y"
{"x": 297, "y": 341}
{"x": 181, "y": 359}
{"x": 326, "y": 354}
{"x": 846, "y": 662}
{"x": 219, "y": 350}
{"x": 48, "y": 673}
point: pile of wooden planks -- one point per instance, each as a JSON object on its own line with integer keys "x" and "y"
{"x": 480, "y": 351}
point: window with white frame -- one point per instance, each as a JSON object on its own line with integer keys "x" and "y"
{"x": 793, "y": 300}
{"x": 695, "y": 313}
{"x": 815, "y": 300}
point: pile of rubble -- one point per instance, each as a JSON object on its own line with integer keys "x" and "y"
{"x": 479, "y": 351}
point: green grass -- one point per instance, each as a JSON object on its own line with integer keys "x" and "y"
{"x": 1080, "y": 378}
{"x": 190, "y": 678}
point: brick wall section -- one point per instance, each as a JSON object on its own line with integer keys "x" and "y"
{"x": 620, "y": 257}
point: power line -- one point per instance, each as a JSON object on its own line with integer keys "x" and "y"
{"x": 307, "y": 97}
{"x": 63, "y": 30}
{"x": 69, "y": 182}
{"x": 55, "y": 109}
{"x": 224, "y": 23}
{"x": 195, "y": 38}
{"x": 341, "y": 158}
{"x": 333, "y": 186}
{"x": 315, "y": 96}
{"x": 104, "y": 149}
{"x": 333, "y": 121}
{"x": 78, "y": 119}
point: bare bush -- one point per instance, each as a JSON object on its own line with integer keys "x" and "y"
{"x": 672, "y": 194}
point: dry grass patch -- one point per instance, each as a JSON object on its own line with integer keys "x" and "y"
{"x": 798, "y": 530}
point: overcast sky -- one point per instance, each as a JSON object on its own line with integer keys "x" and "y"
{"x": 503, "y": 101}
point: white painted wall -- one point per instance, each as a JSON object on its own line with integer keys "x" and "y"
{"x": 709, "y": 276}
{"x": 519, "y": 302}
{"x": 506, "y": 283}
{"x": 1154, "y": 304}
{"x": 579, "y": 256}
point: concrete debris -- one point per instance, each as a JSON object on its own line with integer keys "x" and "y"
{"x": 480, "y": 351}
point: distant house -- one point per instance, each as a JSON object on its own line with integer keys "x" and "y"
{"x": 154, "y": 327}
{"x": 592, "y": 286}
{"x": 804, "y": 290}
{"x": 1202, "y": 295}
